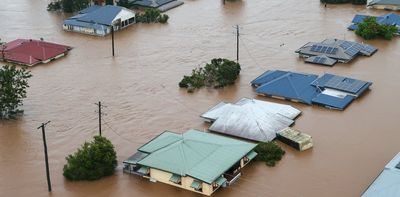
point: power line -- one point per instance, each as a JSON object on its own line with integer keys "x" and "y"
{"x": 114, "y": 131}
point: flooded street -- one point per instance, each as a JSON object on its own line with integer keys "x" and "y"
{"x": 139, "y": 86}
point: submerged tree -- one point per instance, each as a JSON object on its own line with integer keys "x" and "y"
{"x": 151, "y": 15}
{"x": 13, "y": 84}
{"x": 269, "y": 152}
{"x": 92, "y": 161}
{"x": 68, "y": 6}
{"x": 370, "y": 29}
{"x": 219, "y": 73}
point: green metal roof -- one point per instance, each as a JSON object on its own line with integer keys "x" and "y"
{"x": 201, "y": 155}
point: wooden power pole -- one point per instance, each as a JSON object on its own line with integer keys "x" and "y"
{"x": 43, "y": 126}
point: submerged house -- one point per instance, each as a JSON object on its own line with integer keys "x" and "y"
{"x": 196, "y": 161}
{"x": 97, "y": 20}
{"x": 331, "y": 91}
{"x": 388, "y": 181}
{"x": 162, "y": 5}
{"x": 384, "y": 4}
{"x": 30, "y": 52}
{"x": 295, "y": 139}
{"x": 331, "y": 51}
{"x": 250, "y": 119}
{"x": 387, "y": 19}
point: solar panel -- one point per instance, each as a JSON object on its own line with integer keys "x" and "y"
{"x": 369, "y": 49}
{"x": 319, "y": 60}
{"x": 346, "y": 44}
{"x": 353, "y": 50}
{"x": 323, "y": 49}
{"x": 345, "y": 84}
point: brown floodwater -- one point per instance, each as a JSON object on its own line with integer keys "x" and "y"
{"x": 139, "y": 88}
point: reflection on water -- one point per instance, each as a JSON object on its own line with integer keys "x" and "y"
{"x": 139, "y": 86}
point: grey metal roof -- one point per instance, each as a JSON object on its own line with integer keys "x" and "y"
{"x": 341, "y": 50}
{"x": 251, "y": 119}
{"x": 321, "y": 59}
{"x": 387, "y": 184}
{"x": 383, "y": 2}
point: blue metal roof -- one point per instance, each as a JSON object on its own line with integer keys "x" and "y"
{"x": 332, "y": 101}
{"x": 95, "y": 16}
{"x": 268, "y": 76}
{"x": 387, "y": 19}
{"x": 290, "y": 85}
{"x": 329, "y": 90}
{"x": 345, "y": 84}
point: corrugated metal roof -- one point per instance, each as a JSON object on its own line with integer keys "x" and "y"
{"x": 290, "y": 85}
{"x": 383, "y": 2}
{"x": 251, "y": 119}
{"x": 329, "y": 90}
{"x": 387, "y": 184}
{"x": 30, "y": 52}
{"x": 201, "y": 155}
{"x": 340, "y": 50}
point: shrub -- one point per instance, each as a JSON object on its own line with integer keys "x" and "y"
{"x": 92, "y": 161}
{"x": 13, "y": 84}
{"x": 269, "y": 152}
{"x": 219, "y": 73}
{"x": 163, "y": 18}
{"x": 370, "y": 29}
{"x": 151, "y": 15}
{"x": 124, "y": 3}
{"x": 68, "y": 6}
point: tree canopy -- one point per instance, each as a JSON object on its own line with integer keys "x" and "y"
{"x": 13, "y": 84}
{"x": 219, "y": 73}
{"x": 269, "y": 152}
{"x": 92, "y": 161}
{"x": 356, "y": 2}
{"x": 370, "y": 29}
{"x": 68, "y": 6}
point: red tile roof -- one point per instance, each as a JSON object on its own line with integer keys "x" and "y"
{"x": 31, "y": 52}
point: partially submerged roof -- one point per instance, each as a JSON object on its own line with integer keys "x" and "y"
{"x": 340, "y": 50}
{"x": 99, "y": 16}
{"x": 331, "y": 91}
{"x": 289, "y": 85}
{"x": 383, "y": 2}
{"x": 387, "y": 19}
{"x": 251, "y": 119}
{"x": 321, "y": 59}
{"x": 295, "y": 135}
{"x": 30, "y": 52}
{"x": 201, "y": 155}
{"x": 161, "y": 5}
{"x": 388, "y": 182}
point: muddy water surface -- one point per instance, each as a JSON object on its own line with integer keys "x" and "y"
{"x": 139, "y": 88}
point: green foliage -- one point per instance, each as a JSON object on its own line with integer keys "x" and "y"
{"x": 109, "y": 2}
{"x": 68, "y": 6}
{"x": 219, "y": 73}
{"x": 269, "y": 152}
{"x": 124, "y": 3}
{"x": 13, "y": 84}
{"x": 151, "y": 15}
{"x": 356, "y": 2}
{"x": 92, "y": 161}
{"x": 370, "y": 29}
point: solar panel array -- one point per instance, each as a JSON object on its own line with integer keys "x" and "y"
{"x": 346, "y": 44}
{"x": 369, "y": 49}
{"x": 353, "y": 50}
{"x": 319, "y": 60}
{"x": 345, "y": 84}
{"x": 324, "y": 49}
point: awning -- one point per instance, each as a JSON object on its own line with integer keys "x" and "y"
{"x": 220, "y": 181}
{"x": 175, "y": 178}
{"x": 251, "y": 155}
{"x": 196, "y": 184}
{"x": 143, "y": 170}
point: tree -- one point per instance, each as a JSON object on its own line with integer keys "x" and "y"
{"x": 370, "y": 29}
{"x": 219, "y": 73}
{"x": 92, "y": 161}
{"x": 68, "y": 6}
{"x": 151, "y": 15}
{"x": 13, "y": 84}
{"x": 124, "y": 3}
{"x": 269, "y": 152}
